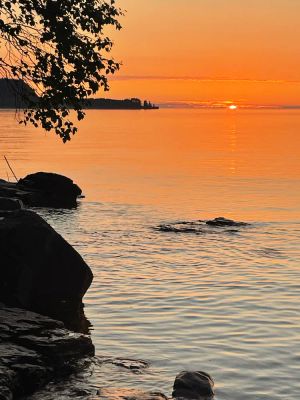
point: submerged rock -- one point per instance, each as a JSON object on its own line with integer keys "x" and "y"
{"x": 221, "y": 221}
{"x": 39, "y": 270}
{"x": 35, "y": 349}
{"x": 134, "y": 365}
{"x": 193, "y": 385}
{"x": 202, "y": 227}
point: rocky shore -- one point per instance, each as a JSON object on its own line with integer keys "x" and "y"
{"x": 42, "y": 277}
{"x": 34, "y": 350}
{"x": 43, "y": 341}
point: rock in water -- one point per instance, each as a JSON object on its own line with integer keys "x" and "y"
{"x": 39, "y": 270}
{"x": 193, "y": 385}
{"x": 50, "y": 190}
{"x": 221, "y": 221}
{"x": 34, "y": 350}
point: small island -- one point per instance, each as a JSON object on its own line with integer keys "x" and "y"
{"x": 13, "y": 90}
{"x": 126, "y": 104}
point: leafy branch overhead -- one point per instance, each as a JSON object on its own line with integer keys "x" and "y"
{"x": 59, "y": 49}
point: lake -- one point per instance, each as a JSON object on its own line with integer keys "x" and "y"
{"x": 223, "y": 301}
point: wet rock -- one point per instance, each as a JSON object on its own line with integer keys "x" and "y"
{"x": 50, "y": 190}
{"x": 9, "y": 204}
{"x": 39, "y": 270}
{"x": 221, "y": 221}
{"x": 202, "y": 227}
{"x": 193, "y": 385}
{"x": 180, "y": 228}
{"x": 128, "y": 363}
{"x": 35, "y": 349}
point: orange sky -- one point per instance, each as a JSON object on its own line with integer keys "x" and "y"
{"x": 209, "y": 51}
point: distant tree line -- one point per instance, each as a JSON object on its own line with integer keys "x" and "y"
{"x": 13, "y": 91}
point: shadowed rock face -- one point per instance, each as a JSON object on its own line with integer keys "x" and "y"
{"x": 34, "y": 350}
{"x": 39, "y": 270}
{"x": 193, "y": 385}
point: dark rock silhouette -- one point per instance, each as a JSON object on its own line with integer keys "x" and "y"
{"x": 34, "y": 350}
{"x": 202, "y": 227}
{"x": 49, "y": 190}
{"x": 221, "y": 221}
{"x": 39, "y": 270}
{"x": 193, "y": 385}
{"x": 42, "y": 189}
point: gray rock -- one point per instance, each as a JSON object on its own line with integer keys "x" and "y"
{"x": 39, "y": 270}
{"x": 193, "y": 385}
{"x": 35, "y": 349}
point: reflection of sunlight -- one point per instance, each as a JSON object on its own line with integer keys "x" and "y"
{"x": 232, "y": 135}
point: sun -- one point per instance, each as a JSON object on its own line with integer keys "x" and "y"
{"x": 232, "y": 107}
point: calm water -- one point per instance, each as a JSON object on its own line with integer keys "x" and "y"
{"x": 223, "y": 302}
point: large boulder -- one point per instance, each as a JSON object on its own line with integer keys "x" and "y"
{"x": 50, "y": 190}
{"x": 39, "y": 270}
{"x": 193, "y": 385}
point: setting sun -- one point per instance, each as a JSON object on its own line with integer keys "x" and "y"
{"x": 233, "y": 107}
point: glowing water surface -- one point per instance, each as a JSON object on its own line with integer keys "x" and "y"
{"x": 226, "y": 302}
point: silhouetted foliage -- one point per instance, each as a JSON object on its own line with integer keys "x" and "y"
{"x": 58, "y": 48}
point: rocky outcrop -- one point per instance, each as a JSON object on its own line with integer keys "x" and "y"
{"x": 35, "y": 349}
{"x": 193, "y": 385}
{"x": 42, "y": 189}
{"x": 202, "y": 226}
{"x": 50, "y": 190}
{"x": 39, "y": 270}
{"x": 221, "y": 221}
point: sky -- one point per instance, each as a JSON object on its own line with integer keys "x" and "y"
{"x": 209, "y": 51}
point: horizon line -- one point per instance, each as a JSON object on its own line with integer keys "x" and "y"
{"x": 199, "y": 78}
{"x": 225, "y": 105}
